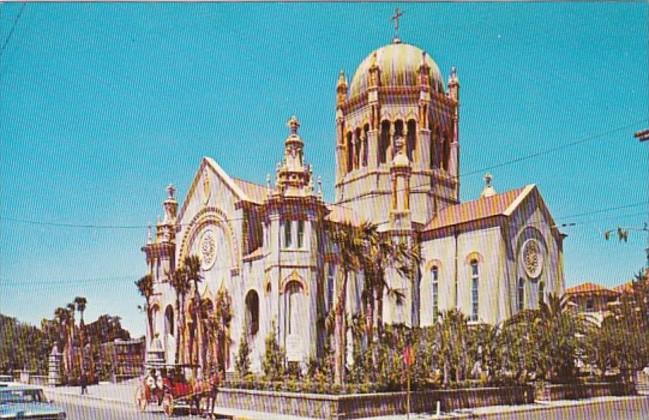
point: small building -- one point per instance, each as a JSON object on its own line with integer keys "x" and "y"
{"x": 124, "y": 358}
{"x": 592, "y": 299}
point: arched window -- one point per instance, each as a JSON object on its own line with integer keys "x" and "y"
{"x": 300, "y": 234}
{"x": 366, "y": 129}
{"x": 384, "y": 141}
{"x": 446, "y": 152}
{"x": 411, "y": 140}
{"x": 520, "y": 303}
{"x": 435, "y": 290}
{"x": 293, "y": 297}
{"x": 252, "y": 312}
{"x": 541, "y": 293}
{"x": 169, "y": 320}
{"x": 350, "y": 153}
{"x": 475, "y": 278}
{"x": 331, "y": 277}
{"x": 357, "y": 148}
{"x": 398, "y": 129}
{"x": 288, "y": 235}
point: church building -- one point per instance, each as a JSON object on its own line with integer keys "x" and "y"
{"x": 397, "y": 151}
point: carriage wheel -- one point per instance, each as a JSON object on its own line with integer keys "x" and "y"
{"x": 203, "y": 406}
{"x": 168, "y": 405}
{"x": 140, "y": 398}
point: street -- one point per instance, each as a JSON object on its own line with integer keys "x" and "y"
{"x": 79, "y": 409}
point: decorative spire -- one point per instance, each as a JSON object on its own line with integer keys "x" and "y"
{"x": 293, "y": 124}
{"x": 149, "y": 238}
{"x": 341, "y": 89}
{"x": 489, "y": 190}
{"x": 342, "y": 80}
{"x": 319, "y": 186}
{"x": 293, "y": 175}
{"x": 170, "y": 205}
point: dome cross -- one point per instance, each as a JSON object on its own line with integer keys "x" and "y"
{"x": 397, "y": 14}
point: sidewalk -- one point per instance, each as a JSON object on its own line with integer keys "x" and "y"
{"x": 124, "y": 394}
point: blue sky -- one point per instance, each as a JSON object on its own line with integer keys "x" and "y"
{"x": 103, "y": 105}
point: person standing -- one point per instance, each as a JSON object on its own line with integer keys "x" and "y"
{"x": 84, "y": 383}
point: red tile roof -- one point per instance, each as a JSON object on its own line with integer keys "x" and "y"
{"x": 624, "y": 288}
{"x": 481, "y": 208}
{"x": 342, "y": 214}
{"x": 255, "y": 192}
{"x": 589, "y": 288}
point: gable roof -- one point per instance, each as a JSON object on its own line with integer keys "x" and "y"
{"x": 216, "y": 169}
{"x": 502, "y": 204}
{"x": 590, "y": 289}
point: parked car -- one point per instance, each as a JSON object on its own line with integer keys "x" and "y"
{"x": 27, "y": 402}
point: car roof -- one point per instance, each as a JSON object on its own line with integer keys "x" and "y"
{"x": 20, "y": 387}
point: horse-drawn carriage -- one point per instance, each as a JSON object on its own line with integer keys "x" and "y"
{"x": 168, "y": 386}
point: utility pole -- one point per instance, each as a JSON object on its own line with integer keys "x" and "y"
{"x": 643, "y": 136}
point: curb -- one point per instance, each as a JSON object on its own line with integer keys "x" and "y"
{"x": 549, "y": 407}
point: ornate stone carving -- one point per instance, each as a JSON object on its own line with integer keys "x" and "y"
{"x": 532, "y": 255}
{"x": 207, "y": 190}
{"x": 207, "y": 249}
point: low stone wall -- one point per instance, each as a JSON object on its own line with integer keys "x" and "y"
{"x": 580, "y": 391}
{"x": 367, "y": 405}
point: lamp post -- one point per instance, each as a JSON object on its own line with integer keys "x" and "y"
{"x": 643, "y": 136}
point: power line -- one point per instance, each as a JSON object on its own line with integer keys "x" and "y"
{"x": 557, "y": 148}
{"x": 96, "y": 226}
{"x": 13, "y": 27}
{"x": 6, "y": 283}
{"x": 517, "y": 160}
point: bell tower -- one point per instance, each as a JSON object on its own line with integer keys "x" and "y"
{"x": 397, "y": 94}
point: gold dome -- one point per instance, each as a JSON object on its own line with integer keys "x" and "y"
{"x": 399, "y": 65}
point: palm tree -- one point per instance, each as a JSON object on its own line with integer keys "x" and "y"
{"x": 383, "y": 253}
{"x": 180, "y": 284}
{"x": 219, "y": 328}
{"x": 452, "y": 339}
{"x": 145, "y": 287}
{"x": 192, "y": 264}
{"x": 350, "y": 244}
{"x": 556, "y": 332}
{"x": 71, "y": 308}
{"x": 61, "y": 315}
{"x": 81, "y": 303}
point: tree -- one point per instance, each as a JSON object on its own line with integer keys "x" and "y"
{"x": 382, "y": 253}
{"x": 274, "y": 362}
{"x": 555, "y": 333}
{"x": 221, "y": 327}
{"x": 632, "y": 338}
{"x": 180, "y": 283}
{"x": 80, "y": 303}
{"x": 350, "y": 245}
{"x": 62, "y": 317}
{"x": 601, "y": 344}
{"x": 242, "y": 365}
{"x": 145, "y": 287}
{"x": 192, "y": 264}
{"x": 452, "y": 339}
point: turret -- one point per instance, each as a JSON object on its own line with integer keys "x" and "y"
{"x": 293, "y": 175}
{"x": 400, "y": 171}
{"x": 454, "y": 158}
{"x": 341, "y": 89}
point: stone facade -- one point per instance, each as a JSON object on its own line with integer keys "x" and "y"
{"x": 397, "y": 165}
